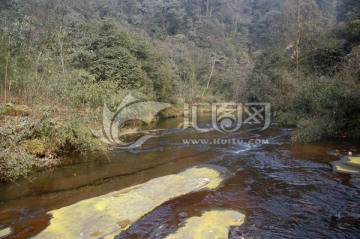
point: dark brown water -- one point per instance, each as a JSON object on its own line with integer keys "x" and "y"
{"x": 286, "y": 191}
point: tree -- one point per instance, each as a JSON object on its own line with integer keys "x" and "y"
{"x": 349, "y": 9}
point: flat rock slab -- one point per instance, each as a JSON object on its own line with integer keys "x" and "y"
{"x": 213, "y": 224}
{"x": 106, "y": 216}
{"x": 355, "y": 161}
{"x": 349, "y": 165}
{"x": 5, "y": 232}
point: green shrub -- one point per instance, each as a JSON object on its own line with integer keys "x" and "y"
{"x": 172, "y": 112}
{"x": 35, "y": 147}
{"x": 43, "y": 135}
{"x": 314, "y": 129}
{"x": 14, "y": 160}
{"x": 15, "y": 163}
{"x": 15, "y": 110}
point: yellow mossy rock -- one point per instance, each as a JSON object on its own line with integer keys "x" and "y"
{"x": 106, "y": 216}
{"x": 354, "y": 160}
{"x": 343, "y": 168}
{"x": 5, "y": 232}
{"x": 213, "y": 224}
{"x": 348, "y": 165}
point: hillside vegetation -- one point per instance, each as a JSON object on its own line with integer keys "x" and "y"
{"x": 61, "y": 60}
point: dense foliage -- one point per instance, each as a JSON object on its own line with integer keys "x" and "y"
{"x": 64, "y": 59}
{"x": 314, "y": 86}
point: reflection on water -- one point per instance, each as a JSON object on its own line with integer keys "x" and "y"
{"x": 286, "y": 191}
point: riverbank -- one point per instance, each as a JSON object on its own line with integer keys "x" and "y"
{"x": 39, "y": 138}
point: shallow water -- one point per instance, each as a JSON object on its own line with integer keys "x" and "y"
{"x": 286, "y": 191}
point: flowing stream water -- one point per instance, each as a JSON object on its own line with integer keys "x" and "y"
{"x": 285, "y": 190}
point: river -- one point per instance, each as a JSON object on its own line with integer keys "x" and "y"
{"x": 285, "y": 190}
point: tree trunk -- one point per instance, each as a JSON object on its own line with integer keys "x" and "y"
{"x": 37, "y": 65}
{"x": 61, "y": 45}
{"x": 211, "y": 74}
{"x": 6, "y": 75}
{"x": 1, "y": 92}
{"x": 298, "y": 38}
{"x": 211, "y": 7}
{"x": 234, "y": 28}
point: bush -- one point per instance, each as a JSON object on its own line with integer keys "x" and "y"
{"x": 14, "y": 160}
{"x": 314, "y": 129}
{"x": 24, "y": 140}
{"x": 15, "y": 110}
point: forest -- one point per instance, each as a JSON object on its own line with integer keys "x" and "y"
{"x": 61, "y": 60}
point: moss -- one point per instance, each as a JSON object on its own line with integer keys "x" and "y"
{"x": 95, "y": 234}
{"x": 354, "y": 160}
{"x": 350, "y": 165}
{"x": 5, "y": 232}
{"x": 116, "y": 211}
{"x": 35, "y": 146}
{"x": 213, "y": 224}
{"x": 16, "y": 110}
{"x": 343, "y": 168}
{"x": 124, "y": 224}
{"x": 172, "y": 112}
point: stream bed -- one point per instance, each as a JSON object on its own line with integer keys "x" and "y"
{"x": 285, "y": 190}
